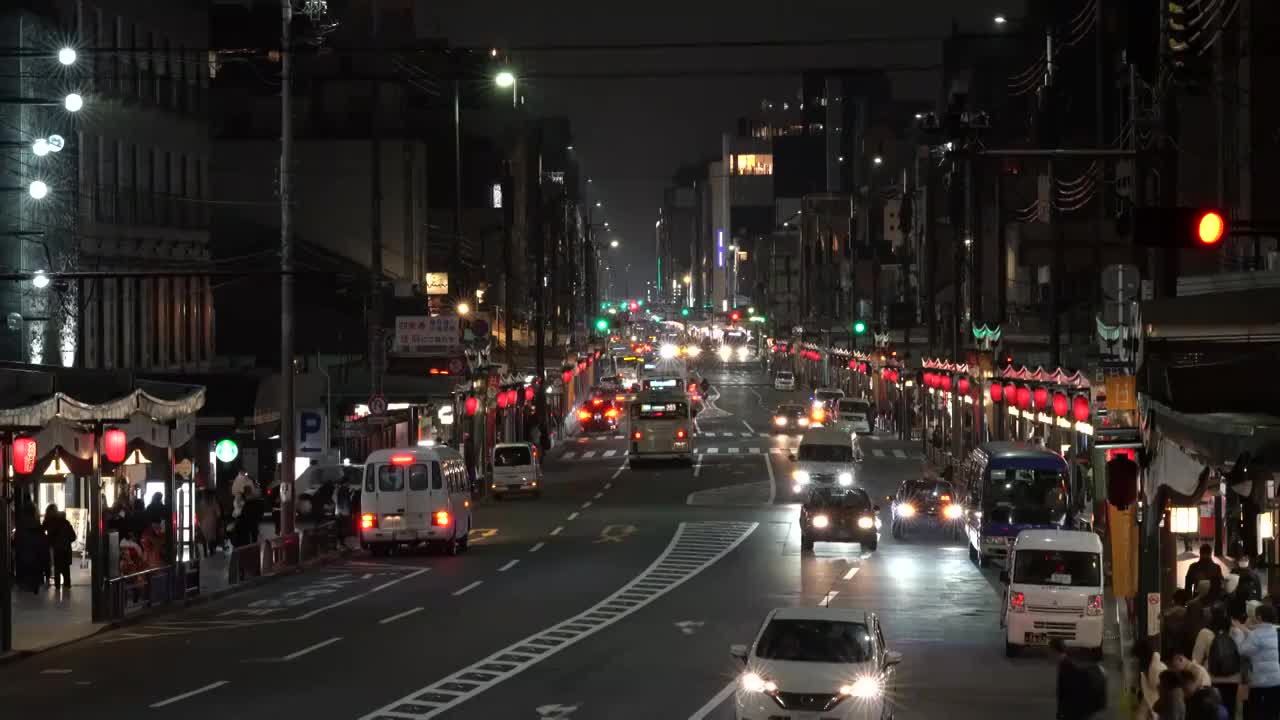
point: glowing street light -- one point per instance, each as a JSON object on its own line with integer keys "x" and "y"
{"x": 38, "y": 189}
{"x": 67, "y": 56}
{"x": 599, "y": 204}
{"x": 40, "y": 281}
{"x": 463, "y": 308}
{"x": 613, "y": 243}
{"x": 41, "y": 147}
{"x": 73, "y": 102}
{"x": 877, "y": 160}
{"x": 1000, "y": 19}
{"x": 505, "y": 79}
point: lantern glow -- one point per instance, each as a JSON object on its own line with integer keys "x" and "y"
{"x": 115, "y": 445}
{"x": 997, "y": 392}
{"x": 24, "y": 456}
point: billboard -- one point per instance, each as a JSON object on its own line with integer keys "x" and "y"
{"x": 424, "y": 336}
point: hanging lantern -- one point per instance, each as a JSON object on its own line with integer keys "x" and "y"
{"x": 1060, "y": 405}
{"x": 566, "y": 376}
{"x": 1080, "y": 408}
{"x": 24, "y": 457}
{"x": 513, "y": 397}
{"x": 853, "y": 365}
{"x": 528, "y": 393}
{"x": 472, "y": 404}
{"x": 115, "y": 444}
{"x": 582, "y": 365}
{"x": 1042, "y": 398}
{"x": 963, "y": 386}
{"x": 946, "y": 383}
{"x": 1011, "y": 394}
{"x": 863, "y": 368}
{"x": 997, "y": 392}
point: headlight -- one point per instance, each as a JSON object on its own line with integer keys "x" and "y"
{"x": 725, "y": 353}
{"x": 821, "y": 521}
{"x": 752, "y": 682}
{"x": 906, "y": 509}
{"x": 780, "y": 421}
{"x": 693, "y": 351}
{"x": 668, "y": 352}
{"x": 864, "y": 687}
{"x": 951, "y": 512}
{"x": 845, "y": 479}
{"x": 743, "y": 353}
{"x": 802, "y": 422}
{"x": 866, "y": 523}
{"x": 800, "y": 476}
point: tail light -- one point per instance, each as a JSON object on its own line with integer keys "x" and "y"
{"x": 945, "y": 498}
{"x": 693, "y": 387}
{"x": 401, "y": 459}
{"x": 1095, "y": 605}
{"x": 637, "y": 435}
{"x": 368, "y": 521}
{"x": 611, "y": 413}
{"x": 440, "y": 518}
{"x": 1017, "y": 602}
{"x": 681, "y": 434}
{"x": 620, "y": 398}
{"x": 596, "y": 402}
{"x": 584, "y": 415}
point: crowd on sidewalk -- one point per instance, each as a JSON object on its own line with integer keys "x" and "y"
{"x": 1219, "y": 656}
{"x": 41, "y": 547}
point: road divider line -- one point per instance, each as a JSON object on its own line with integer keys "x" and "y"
{"x": 399, "y": 616}
{"x": 749, "y": 428}
{"x": 826, "y": 600}
{"x": 508, "y": 566}
{"x": 354, "y": 598}
{"x": 618, "y": 472}
{"x": 715, "y": 701}
{"x": 537, "y": 547}
{"x": 852, "y": 571}
{"x": 697, "y": 466}
{"x": 193, "y": 693}
{"x": 698, "y": 545}
{"x": 467, "y": 588}
{"x": 572, "y": 516}
{"x": 311, "y": 649}
{"x": 608, "y": 485}
{"x": 559, "y": 529}
{"x": 773, "y": 485}
{"x": 598, "y": 495}
{"x": 586, "y": 505}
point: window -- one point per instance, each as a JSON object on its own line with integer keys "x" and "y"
{"x": 436, "y": 476}
{"x": 1044, "y": 567}
{"x": 812, "y": 452}
{"x": 751, "y": 164}
{"x": 419, "y": 477}
{"x": 369, "y": 475}
{"x": 390, "y": 478}
{"x": 512, "y": 456}
{"x": 816, "y": 641}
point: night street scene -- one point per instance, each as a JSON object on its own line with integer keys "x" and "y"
{"x": 856, "y": 360}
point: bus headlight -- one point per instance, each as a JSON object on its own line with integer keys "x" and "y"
{"x": 668, "y": 352}
{"x": 743, "y": 353}
{"x": 693, "y": 351}
{"x": 845, "y": 479}
{"x": 800, "y": 476}
{"x": 821, "y": 521}
{"x": 725, "y": 353}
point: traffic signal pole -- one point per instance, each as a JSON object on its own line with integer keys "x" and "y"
{"x": 287, "y": 445}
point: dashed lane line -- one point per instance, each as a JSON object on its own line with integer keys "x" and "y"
{"x": 558, "y": 529}
{"x": 311, "y": 648}
{"x": 697, "y": 545}
{"x": 508, "y": 566}
{"x": 467, "y": 588}
{"x": 852, "y": 571}
{"x": 193, "y": 693}
{"x": 537, "y": 547}
{"x": 715, "y": 702}
{"x": 572, "y": 516}
{"x": 401, "y": 616}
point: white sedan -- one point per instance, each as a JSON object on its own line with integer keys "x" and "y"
{"x": 784, "y": 380}
{"x": 817, "y": 662}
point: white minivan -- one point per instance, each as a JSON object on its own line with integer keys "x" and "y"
{"x": 1053, "y": 590}
{"x": 414, "y": 496}
{"x": 827, "y": 457}
{"x": 516, "y": 470}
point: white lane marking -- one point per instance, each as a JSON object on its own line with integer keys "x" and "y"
{"x": 399, "y": 616}
{"x": 697, "y": 466}
{"x": 755, "y": 451}
{"x": 708, "y": 542}
{"x": 193, "y": 693}
{"x": 608, "y": 485}
{"x": 598, "y": 495}
{"x": 537, "y": 547}
{"x": 311, "y": 649}
{"x": 609, "y": 453}
{"x": 715, "y": 701}
{"x": 734, "y": 450}
{"x": 467, "y": 588}
{"x": 713, "y": 451}
{"x": 852, "y": 571}
{"x": 588, "y": 454}
{"x": 572, "y": 516}
{"x": 55, "y": 671}
{"x": 366, "y": 576}
{"x": 899, "y": 453}
{"x": 773, "y": 486}
{"x": 559, "y": 529}
{"x": 826, "y": 600}
{"x": 618, "y": 472}
{"x": 354, "y": 598}
{"x": 696, "y": 428}
{"x": 508, "y": 566}
{"x": 586, "y": 505}
{"x": 749, "y": 428}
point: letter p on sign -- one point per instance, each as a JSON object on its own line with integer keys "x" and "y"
{"x": 313, "y": 431}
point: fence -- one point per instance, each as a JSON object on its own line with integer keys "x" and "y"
{"x": 151, "y": 588}
{"x": 276, "y": 554}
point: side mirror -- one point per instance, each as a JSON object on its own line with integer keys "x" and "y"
{"x": 738, "y": 652}
{"x": 1004, "y": 576}
{"x": 891, "y": 658}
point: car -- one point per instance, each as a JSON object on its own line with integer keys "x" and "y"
{"x": 789, "y": 417}
{"x": 600, "y": 413}
{"x": 817, "y": 662}
{"x": 826, "y": 457}
{"x": 1053, "y": 590}
{"x": 839, "y": 515}
{"x": 925, "y": 501}
{"x": 784, "y": 380}
{"x": 854, "y": 414}
{"x": 516, "y": 470}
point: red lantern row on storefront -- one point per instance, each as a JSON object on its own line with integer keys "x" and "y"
{"x": 502, "y": 399}
{"x": 1042, "y": 398}
{"x": 997, "y": 392}
{"x": 528, "y": 393}
{"x": 963, "y": 386}
{"x": 946, "y": 383}
{"x": 1060, "y": 405}
{"x": 471, "y": 405}
{"x": 1010, "y": 394}
{"x": 115, "y": 444}
{"x": 1080, "y": 408}
{"x": 24, "y": 457}
{"x": 1024, "y": 398}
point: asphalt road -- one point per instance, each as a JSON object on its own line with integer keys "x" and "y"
{"x": 616, "y": 595}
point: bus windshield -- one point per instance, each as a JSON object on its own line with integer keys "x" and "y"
{"x": 1020, "y": 496}
{"x": 660, "y": 410}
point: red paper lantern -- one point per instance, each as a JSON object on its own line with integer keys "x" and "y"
{"x": 528, "y": 393}
{"x": 115, "y": 444}
{"x": 946, "y": 383}
{"x": 997, "y": 392}
{"x": 24, "y": 456}
{"x": 1011, "y": 394}
{"x": 963, "y": 385}
{"x": 472, "y": 405}
{"x": 863, "y": 368}
{"x": 1060, "y": 404}
{"x": 1024, "y": 398}
{"x": 502, "y": 398}
{"x": 853, "y": 365}
{"x": 1042, "y": 398}
{"x": 1080, "y": 408}
{"x": 566, "y": 376}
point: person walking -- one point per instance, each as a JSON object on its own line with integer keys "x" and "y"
{"x": 1082, "y": 690}
{"x": 209, "y": 521}
{"x": 1217, "y": 651}
{"x": 30, "y": 553}
{"x": 61, "y": 536}
{"x": 1260, "y": 646}
{"x": 1204, "y": 569}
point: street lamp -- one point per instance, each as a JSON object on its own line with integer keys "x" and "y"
{"x": 1000, "y": 20}
{"x": 41, "y": 147}
{"x": 613, "y": 243}
{"x": 505, "y": 79}
{"x": 877, "y": 160}
{"x": 40, "y": 281}
{"x": 73, "y": 102}
{"x": 688, "y": 279}
{"x": 38, "y": 189}
{"x": 463, "y": 309}
{"x": 599, "y": 204}
{"x": 67, "y": 56}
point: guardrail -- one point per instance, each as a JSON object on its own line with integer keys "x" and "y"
{"x": 273, "y": 555}
{"x": 149, "y": 588}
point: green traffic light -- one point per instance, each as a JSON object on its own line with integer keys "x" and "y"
{"x": 602, "y": 324}
{"x": 859, "y": 327}
{"x": 684, "y": 312}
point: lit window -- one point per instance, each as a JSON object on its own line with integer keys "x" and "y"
{"x": 752, "y": 164}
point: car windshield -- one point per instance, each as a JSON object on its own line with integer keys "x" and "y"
{"x": 791, "y": 410}
{"x": 512, "y": 455}
{"x": 929, "y": 489}
{"x": 785, "y": 375}
{"x": 822, "y": 641}
{"x": 853, "y": 499}
{"x": 1026, "y": 496}
{"x": 1056, "y": 567}
{"x": 827, "y": 396}
{"x": 855, "y": 406}
{"x": 813, "y": 452}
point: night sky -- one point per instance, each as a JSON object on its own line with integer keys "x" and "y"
{"x": 632, "y": 134}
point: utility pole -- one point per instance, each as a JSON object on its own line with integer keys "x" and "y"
{"x": 508, "y": 219}
{"x": 1049, "y": 132}
{"x": 288, "y": 446}
{"x": 540, "y": 290}
{"x": 457, "y": 172}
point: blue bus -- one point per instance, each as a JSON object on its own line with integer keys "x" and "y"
{"x": 1010, "y": 487}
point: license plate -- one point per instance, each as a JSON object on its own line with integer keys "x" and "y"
{"x": 514, "y": 487}
{"x": 391, "y": 521}
{"x": 1035, "y": 638}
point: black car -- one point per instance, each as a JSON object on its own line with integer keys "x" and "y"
{"x": 599, "y": 413}
{"x": 839, "y": 515}
{"x": 791, "y": 418}
{"x": 926, "y": 502}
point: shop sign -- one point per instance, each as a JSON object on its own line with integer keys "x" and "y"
{"x": 1153, "y": 614}
{"x": 423, "y": 336}
{"x": 437, "y": 283}
{"x": 312, "y": 432}
{"x": 1121, "y": 393}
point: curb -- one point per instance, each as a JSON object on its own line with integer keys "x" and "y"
{"x": 14, "y": 656}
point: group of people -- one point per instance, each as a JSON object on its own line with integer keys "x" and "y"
{"x": 1222, "y": 646}
{"x": 42, "y": 548}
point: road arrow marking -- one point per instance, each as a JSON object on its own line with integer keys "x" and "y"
{"x": 689, "y": 627}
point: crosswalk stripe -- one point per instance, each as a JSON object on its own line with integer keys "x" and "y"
{"x": 899, "y": 453}
{"x": 588, "y": 454}
{"x": 734, "y": 450}
{"x": 609, "y": 453}
{"x": 755, "y": 451}
{"x": 713, "y": 451}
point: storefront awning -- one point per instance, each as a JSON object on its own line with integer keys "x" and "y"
{"x": 31, "y": 398}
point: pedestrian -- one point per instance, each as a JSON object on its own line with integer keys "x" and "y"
{"x": 1197, "y": 616}
{"x": 1172, "y": 704}
{"x": 46, "y": 525}
{"x": 1150, "y": 666}
{"x": 1203, "y": 702}
{"x": 209, "y": 521}
{"x": 30, "y": 552}
{"x": 1180, "y": 663}
{"x": 61, "y": 537}
{"x": 1216, "y": 651}
{"x": 1248, "y": 585}
{"x": 1082, "y": 690}
{"x": 1173, "y": 622}
{"x": 1204, "y": 569}
{"x": 156, "y": 512}
{"x": 1260, "y": 647}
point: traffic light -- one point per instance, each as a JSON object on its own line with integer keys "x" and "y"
{"x": 684, "y": 312}
{"x": 735, "y": 316}
{"x": 1177, "y": 37}
{"x": 859, "y": 327}
{"x": 1186, "y": 228}
{"x": 602, "y": 324}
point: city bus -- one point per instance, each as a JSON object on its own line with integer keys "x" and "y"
{"x": 1010, "y": 487}
{"x": 660, "y": 427}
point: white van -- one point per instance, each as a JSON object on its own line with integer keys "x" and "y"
{"x": 516, "y": 470}
{"x": 855, "y": 414}
{"x": 415, "y": 495}
{"x": 1054, "y": 590}
{"x": 827, "y": 457}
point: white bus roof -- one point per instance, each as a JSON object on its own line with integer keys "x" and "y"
{"x": 427, "y": 454}
{"x": 1066, "y": 540}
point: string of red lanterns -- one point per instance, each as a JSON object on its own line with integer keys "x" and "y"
{"x": 997, "y": 392}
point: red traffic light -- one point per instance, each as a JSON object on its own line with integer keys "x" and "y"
{"x": 1210, "y": 227}
{"x": 735, "y": 316}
